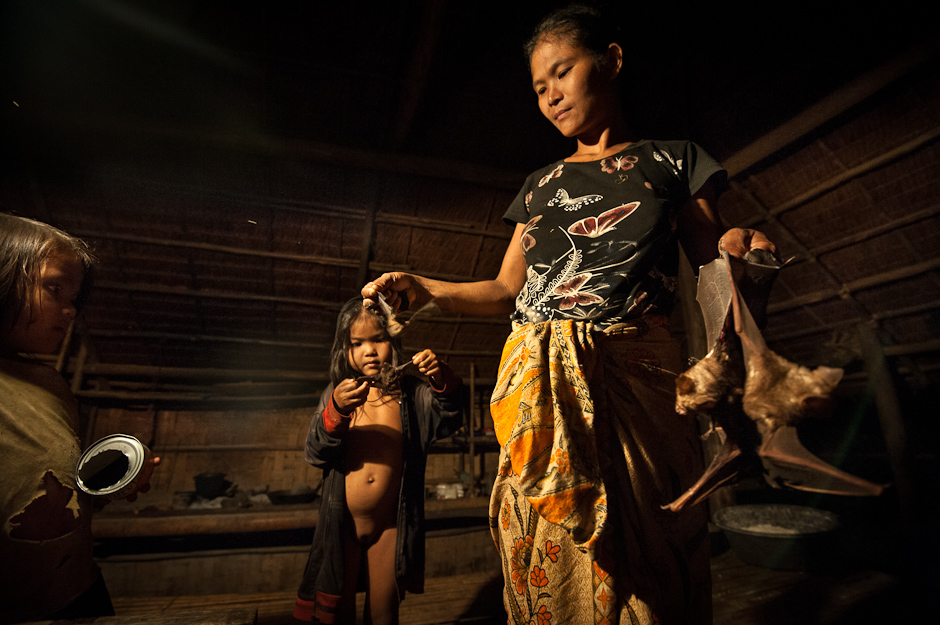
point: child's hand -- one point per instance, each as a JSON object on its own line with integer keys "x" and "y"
{"x": 439, "y": 374}
{"x": 427, "y": 363}
{"x": 349, "y": 395}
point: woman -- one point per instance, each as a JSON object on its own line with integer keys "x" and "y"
{"x": 583, "y": 407}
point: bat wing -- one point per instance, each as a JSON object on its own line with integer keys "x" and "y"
{"x": 724, "y": 468}
{"x": 752, "y": 341}
{"x": 395, "y": 326}
{"x": 727, "y": 277}
{"x": 737, "y": 454}
{"x": 714, "y": 297}
{"x": 753, "y": 277}
{"x": 789, "y": 463}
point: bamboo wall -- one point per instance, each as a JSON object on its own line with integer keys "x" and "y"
{"x": 257, "y": 450}
{"x": 164, "y": 550}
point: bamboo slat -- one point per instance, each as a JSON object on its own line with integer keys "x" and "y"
{"x": 278, "y": 518}
{"x": 227, "y": 616}
{"x": 742, "y": 593}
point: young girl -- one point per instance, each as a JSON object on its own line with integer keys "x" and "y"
{"x": 372, "y": 443}
{"x": 45, "y": 520}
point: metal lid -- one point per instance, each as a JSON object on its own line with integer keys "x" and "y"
{"x": 110, "y": 464}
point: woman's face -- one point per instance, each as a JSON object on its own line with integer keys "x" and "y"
{"x": 50, "y": 309}
{"x": 574, "y": 94}
{"x": 369, "y": 345}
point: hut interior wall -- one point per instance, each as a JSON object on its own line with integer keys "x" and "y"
{"x": 257, "y": 450}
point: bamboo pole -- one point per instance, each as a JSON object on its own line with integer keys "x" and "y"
{"x": 848, "y": 288}
{"x": 105, "y": 526}
{"x": 830, "y": 107}
{"x": 368, "y": 239}
{"x": 889, "y": 416}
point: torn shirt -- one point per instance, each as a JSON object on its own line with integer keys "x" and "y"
{"x": 45, "y": 520}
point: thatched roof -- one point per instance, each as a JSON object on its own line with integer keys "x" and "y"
{"x": 228, "y": 161}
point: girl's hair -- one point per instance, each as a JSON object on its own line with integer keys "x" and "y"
{"x": 24, "y": 245}
{"x": 352, "y": 310}
{"x": 578, "y": 24}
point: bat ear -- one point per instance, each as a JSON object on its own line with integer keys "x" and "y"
{"x": 829, "y": 375}
{"x": 685, "y": 385}
{"x": 816, "y": 405}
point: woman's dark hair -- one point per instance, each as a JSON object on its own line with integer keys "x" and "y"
{"x": 339, "y": 356}
{"x": 24, "y": 245}
{"x": 578, "y": 24}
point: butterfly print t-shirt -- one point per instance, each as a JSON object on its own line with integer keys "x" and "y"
{"x": 600, "y": 237}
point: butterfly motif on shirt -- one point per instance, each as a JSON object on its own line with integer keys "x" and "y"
{"x": 571, "y": 294}
{"x": 572, "y": 203}
{"x": 594, "y": 227}
{"x": 527, "y": 241}
{"x": 552, "y": 174}
{"x": 665, "y": 156}
{"x": 611, "y": 164}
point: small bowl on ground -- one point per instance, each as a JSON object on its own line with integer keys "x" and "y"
{"x": 779, "y": 536}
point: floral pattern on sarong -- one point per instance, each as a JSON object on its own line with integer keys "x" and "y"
{"x": 543, "y": 414}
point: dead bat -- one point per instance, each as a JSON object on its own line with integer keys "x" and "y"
{"x": 395, "y": 326}
{"x": 753, "y": 396}
{"x": 388, "y": 377}
{"x": 778, "y": 394}
{"x": 714, "y": 386}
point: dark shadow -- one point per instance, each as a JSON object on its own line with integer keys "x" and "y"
{"x": 487, "y": 606}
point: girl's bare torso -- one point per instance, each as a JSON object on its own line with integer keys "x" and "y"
{"x": 374, "y": 465}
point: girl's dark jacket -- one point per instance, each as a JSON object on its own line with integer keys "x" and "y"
{"x": 426, "y": 416}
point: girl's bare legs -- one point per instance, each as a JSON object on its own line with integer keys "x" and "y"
{"x": 382, "y": 597}
{"x": 352, "y": 559}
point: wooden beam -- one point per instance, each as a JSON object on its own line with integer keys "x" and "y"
{"x": 416, "y": 76}
{"x": 831, "y": 106}
{"x": 151, "y": 397}
{"x": 270, "y": 145}
{"x": 148, "y": 371}
{"x": 875, "y": 318}
{"x": 117, "y": 526}
{"x": 856, "y": 285}
{"x": 204, "y": 338}
{"x": 882, "y": 160}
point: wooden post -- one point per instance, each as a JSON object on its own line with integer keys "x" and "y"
{"x": 368, "y": 236}
{"x": 471, "y": 432}
{"x": 881, "y": 386}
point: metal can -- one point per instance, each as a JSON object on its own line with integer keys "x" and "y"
{"x": 114, "y": 467}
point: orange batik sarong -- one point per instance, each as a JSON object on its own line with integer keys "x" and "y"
{"x": 591, "y": 449}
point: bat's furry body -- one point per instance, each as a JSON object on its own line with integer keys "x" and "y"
{"x": 753, "y": 396}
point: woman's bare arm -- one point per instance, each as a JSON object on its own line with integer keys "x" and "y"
{"x": 700, "y": 231}
{"x": 486, "y": 297}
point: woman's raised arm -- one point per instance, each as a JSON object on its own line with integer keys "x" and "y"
{"x": 486, "y": 297}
